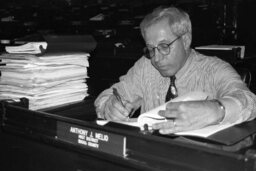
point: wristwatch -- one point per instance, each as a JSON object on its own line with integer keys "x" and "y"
{"x": 222, "y": 107}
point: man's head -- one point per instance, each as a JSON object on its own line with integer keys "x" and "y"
{"x": 167, "y": 34}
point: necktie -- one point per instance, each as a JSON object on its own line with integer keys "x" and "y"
{"x": 172, "y": 91}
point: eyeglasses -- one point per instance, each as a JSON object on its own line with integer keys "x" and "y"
{"x": 163, "y": 48}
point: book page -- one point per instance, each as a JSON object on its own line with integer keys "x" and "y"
{"x": 206, "y": 131}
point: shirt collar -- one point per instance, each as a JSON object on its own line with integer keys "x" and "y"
{"x": 186, "y": 66}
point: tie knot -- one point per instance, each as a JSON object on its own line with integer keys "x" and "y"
{"x": 172, "y": 78}
{"x": 172, "y": 90}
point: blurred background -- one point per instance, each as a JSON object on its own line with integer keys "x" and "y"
{"x": 114, "y": 24}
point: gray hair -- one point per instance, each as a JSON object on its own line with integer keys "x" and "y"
{"x": 178, "y": 20}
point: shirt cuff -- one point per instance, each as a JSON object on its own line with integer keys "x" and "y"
{"x": 233, "y": 109}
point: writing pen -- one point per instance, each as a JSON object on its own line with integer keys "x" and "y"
{"x": 118, "y": 97}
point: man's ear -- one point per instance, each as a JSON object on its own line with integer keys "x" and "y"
{"x": 186, "y": 41}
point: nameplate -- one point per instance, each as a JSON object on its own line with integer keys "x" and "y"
{"x": 92, "y": 138}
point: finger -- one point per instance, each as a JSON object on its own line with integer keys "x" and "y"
{"x": 120, "y": 107}
{"x": 172, "y": 105}
{"x": 169, "y": 127}
{"x": 108, "y": 114}
{"x": 167, "y": 131}
{"x": 169, "y": 114}
{"x": 128, "y": 106}
{"x": 112, "y": 112}
{"x": 160, "y": 125}
{"x": 178, "y": 125}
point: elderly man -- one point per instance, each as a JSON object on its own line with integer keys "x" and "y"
{"x": 169, "y": 63}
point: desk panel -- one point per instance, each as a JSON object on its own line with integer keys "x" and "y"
{"x": 29, "y": 138}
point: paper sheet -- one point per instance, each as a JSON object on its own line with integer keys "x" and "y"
{"x": 31, "y": 48}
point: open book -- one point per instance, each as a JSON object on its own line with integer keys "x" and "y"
{"x": 151, "y": 117}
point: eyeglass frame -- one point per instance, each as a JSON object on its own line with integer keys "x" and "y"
{"x": 147, "y": 55}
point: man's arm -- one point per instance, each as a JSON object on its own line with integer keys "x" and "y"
{"x": 233, "y": 93}
{"x": 232, "y": 102}
{"x": 129, "y": 88}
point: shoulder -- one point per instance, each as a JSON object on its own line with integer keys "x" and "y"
{"x": 211, "y": 62}
{"x": 216, "y": 67}
{"x": 142, "y": 62}
{"x": 144, "y": 65}
{"x": 145, "y": 71}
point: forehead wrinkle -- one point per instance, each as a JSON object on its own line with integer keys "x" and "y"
{"x": 160, "y": 42}
{"x": 158, "y": 33}
{"x": 158, "y": 38}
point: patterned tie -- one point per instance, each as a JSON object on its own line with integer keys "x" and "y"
{"x": 172, "y": 91}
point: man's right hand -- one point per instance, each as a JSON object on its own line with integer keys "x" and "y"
{"x": 115, "y": 110}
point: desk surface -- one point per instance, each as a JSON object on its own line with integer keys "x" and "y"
{"x": 146, "y": 152}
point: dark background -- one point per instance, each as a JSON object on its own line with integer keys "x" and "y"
{"x": 119, "y": 43}
{"x": 214, "y": 21}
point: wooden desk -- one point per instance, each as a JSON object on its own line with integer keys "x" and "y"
{"x": 28, "y": 142}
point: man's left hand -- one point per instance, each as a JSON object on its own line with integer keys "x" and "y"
{"x": 188, "y": 115}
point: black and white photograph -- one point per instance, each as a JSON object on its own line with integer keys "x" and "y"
{"x": 128, "y": 85}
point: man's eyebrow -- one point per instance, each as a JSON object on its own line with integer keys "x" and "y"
{"x": 149, "y": 45}
{"x": 162, "y": 41}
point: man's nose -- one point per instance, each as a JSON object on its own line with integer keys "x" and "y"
{"x": 158, "y": 55}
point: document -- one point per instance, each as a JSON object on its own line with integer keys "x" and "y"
{"x": 151, "y": 117}
{"x": 50, "y": 80}
{"x": 29, "y": 48}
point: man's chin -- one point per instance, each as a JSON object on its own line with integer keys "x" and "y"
{"x": 165, "y": 73}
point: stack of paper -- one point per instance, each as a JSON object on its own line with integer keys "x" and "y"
{"x": 47, "y": 81}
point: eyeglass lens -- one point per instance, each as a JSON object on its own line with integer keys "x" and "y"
{"x": 163, "y": 48}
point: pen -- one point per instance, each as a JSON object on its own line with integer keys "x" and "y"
{"x": 117, "y": 95}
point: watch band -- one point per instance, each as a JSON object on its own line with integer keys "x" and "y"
{"x": 222, "y": 107}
